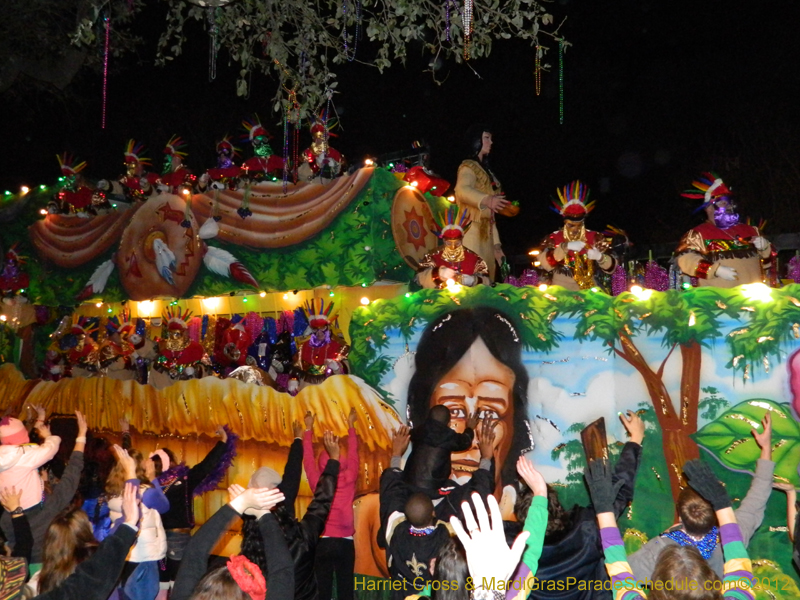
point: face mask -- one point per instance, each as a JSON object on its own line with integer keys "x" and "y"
{"x": 724, "y": 215}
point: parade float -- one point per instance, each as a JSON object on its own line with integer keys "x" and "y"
{"x": 182, "y": 302}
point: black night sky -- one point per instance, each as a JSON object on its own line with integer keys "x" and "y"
{"x": 655, "y": 92}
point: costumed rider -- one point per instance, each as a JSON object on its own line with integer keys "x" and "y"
{"x": 265, "y": 163}
{"x": 136, "y": 184}
{"x": 452, "y": 262}
{"x": 322, "y": 354}
{"x": 480, "y": 193}
{"x": 231, "y": 350}
{"x": 174, "y": 176}
{"x": 573, "y": 254}
{"x": 75, "y": 198}
{"x": 179, "y": 357}
{"x": 722, "y": 252}
{"x": 226, "y": 173}
{"x": 136, "y": 351}
{"x": 13, "y": 279}
{"x": 82, "y": 352}
{"x": 319, "y": 159}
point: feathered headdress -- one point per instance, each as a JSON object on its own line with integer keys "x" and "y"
{"x": 453, "y": 223}
{"x": 177, "y": 320}
{"x": 254, "y": 129}
{"x": 68, "y": 166}
{"x": 133, "y": 151}
{"x": 175, "y": 147}
{"x": 708, "y": 187}
{"x": 319, "y": 315}
{"x": 83, "y": 325}
{"x": 120, "y": 323}
{"x": 227, "y": 144}
{"x": 323, "y": 123}
{"x": 12, "y": 254}
{"x": 573, "y": 201}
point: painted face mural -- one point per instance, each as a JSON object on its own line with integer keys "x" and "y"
{"x": 478, "y": 383}
{"x": 470, "y": 360}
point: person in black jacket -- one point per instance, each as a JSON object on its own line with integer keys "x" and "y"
{"x": 572, "y": 548}
{"x": 192, "y": 579}
{"x": 301, "y": 535}
{"x": 428, "y": 466}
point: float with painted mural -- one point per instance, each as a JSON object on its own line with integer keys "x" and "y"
{"x": 121, "y": 295}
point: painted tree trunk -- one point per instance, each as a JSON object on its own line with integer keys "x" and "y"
{"x": 675, "y": 428}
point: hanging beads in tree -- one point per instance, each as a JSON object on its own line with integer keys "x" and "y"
{"x": 466, "y": 18}
{"x": 537, "y": 70}
{"x": 561, "y": 82}
{"x": 447, "y": 20}
{"x": 351, "y": 57}
{"x": 213, "y": 46}
{"x": 291, "y": 125}
{"x": 107, "y": 25}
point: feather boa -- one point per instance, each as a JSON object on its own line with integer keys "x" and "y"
{"x": 212, "y": 480}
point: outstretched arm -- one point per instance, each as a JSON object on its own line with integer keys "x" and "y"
{"x": 750, "y": 513}
{"x": 292, "y": 473}
{"x": 195, "y": 557}
{"x": 628, "y": 462}
{"x": 280, "y": 566}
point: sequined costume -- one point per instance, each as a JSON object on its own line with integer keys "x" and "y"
{"x": 467, "y": 267}
{"x": 573, "y": 255}
{"x": 722, "y": 252}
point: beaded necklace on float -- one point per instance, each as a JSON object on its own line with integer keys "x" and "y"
{"x": 706, "y": 545}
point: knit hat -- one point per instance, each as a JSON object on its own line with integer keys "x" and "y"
{"x": 13, "y": 432}
{"x": 264, "y": 478}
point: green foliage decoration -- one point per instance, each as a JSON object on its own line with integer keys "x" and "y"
{"x": 299, "y": 44}
{"x": 531, "y": 311}
{"x": 729, "y": 439}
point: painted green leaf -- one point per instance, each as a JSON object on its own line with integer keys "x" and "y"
{"x": 729, "y": 439}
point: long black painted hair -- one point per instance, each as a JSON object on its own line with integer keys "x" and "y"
{"x": 446, "y": 340}
{"x": 474, "y": 143}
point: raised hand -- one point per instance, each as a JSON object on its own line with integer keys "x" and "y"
{"x": 124, "y": 425}
{"x": 704, "y": 482}
{"x": 126, "y": 460}
{"x": 488, "y": 554}
{"x": 764, "y": 439}
{"x": 634, "y": 426}
{"x": 234, "y": 491}
{"x": 486, "y": 437}
{"x": 400, "y": 440}
{"x": 10, "y": 498}
{"x": 130, "y": 504}
{"x": 601, "y": 489}
{"x": 297, "y": 429}
{"x": 223, "y": 435}
{"x": 331, "y": 443}
{"x": 308, "y": 420}
{"x": 472, "y": 420}
{"x": 83, "y": 428}
{"x": 531, "y": 476}
{"x": 351, "y": 417}
{"x": 256, "y": 501}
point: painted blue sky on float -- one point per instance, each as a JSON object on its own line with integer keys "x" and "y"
{"x": 581, "y": 382}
